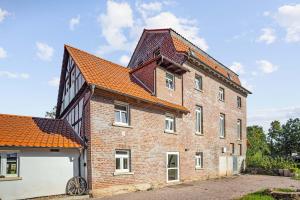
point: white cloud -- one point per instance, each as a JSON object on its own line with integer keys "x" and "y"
{"x": 268, "y": 36}
{"x": 122, "y": 34}
{"x": 54, "y": 82}
{"x": 266, "y": 13}
{"x": 247, "y": 85}
{"x": 13, "y": 75}
{"x": 265, "y": 116}
{"x": 74, "y": 22}
{"x": 288, "y": 17}
{"x": 113, "y": 23}
{"x": 3, "y": 14}
{"x": 44, "y": 51}
{"x": 266, "y": 66}
{"x": 3, "y": 53}
{"x": 237, "y": 68}
{"x": 149, "y": 8}
{"x": 124, "y": 60}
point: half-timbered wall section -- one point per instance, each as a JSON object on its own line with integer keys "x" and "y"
{"x": 74, "y": 117}
{"x": 73, "y": 82}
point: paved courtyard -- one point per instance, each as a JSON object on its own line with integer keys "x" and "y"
{"x": 226, "y": 188}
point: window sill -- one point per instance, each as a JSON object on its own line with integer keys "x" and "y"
{"x": 199, "y": 168}
{"x": 222, "y": 137}
{"x": 123, "y": 173}
{"x": 221, "y": 100}
{"x": 199, "y": 90}
{"x": 200, "y": 134}
{"x": 10, "y": 179}
{"x": 170, "y": 132}
{"x": 121, "y": 125}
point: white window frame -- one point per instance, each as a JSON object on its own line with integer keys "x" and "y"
{"x": 3, "y": 164}
{"x": 199, "y": 120}
{"x": 221, "y": 94}
{"x": 122, "y": 157}
{"x": 170, "y": 80}
{"x": 199, "y": 160}
{"x": 170, "y": 119}
{"x": 126, "y": 105}
{"x": 178, "y": 166}
{"x": 239, "y": 129}
{"x": 198, "y": 84}
{"x": 222, "y": 125}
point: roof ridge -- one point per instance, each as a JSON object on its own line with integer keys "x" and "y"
{"x": 204, "y": 52}
{"x": 86, "y": 52}
{"x": 27, "y": 116}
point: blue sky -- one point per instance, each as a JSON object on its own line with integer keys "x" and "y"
{"x": 260, "y": 40}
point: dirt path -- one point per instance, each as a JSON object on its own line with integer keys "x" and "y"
{"x": 226, "y": 188}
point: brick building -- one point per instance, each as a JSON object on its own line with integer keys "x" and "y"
{"x": 174, "y": 114}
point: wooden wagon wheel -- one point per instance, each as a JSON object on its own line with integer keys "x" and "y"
{"x": 76, "y": 186}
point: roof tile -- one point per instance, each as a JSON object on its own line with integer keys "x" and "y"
{"x": 26, "y": 131}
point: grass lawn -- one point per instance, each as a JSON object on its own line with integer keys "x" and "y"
{"x": 259, "y": 195}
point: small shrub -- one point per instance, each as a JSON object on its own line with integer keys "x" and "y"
{"x": 284, "y": 190}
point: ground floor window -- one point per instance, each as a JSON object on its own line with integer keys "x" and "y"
{"x": 172, "y": 166}
{"x": 199, "y": 160}
{"x": 9, "y": 164}
{"x": 122, "y": 161}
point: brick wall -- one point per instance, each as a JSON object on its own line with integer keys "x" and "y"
{"x": 149, "y": 144}
{"x": 162, "y": 92}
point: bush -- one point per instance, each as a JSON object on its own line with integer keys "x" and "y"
{"x": 269, "y": 163}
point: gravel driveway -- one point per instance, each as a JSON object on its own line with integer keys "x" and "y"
{"x": 226, "y": 188}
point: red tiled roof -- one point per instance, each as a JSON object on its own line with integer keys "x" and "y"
{"x": 23, "y": 131}
{"x": 113, "y": 77}
{"x": 182, "y": 46}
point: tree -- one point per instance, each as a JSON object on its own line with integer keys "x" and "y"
{"x": 51, "y": 114}
{"x": 257, "y": 141}
{"x": 275, "y": 131}
{"x": 290, "y": 137}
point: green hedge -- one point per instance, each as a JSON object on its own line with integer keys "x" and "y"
{"x": 268, "y": 163}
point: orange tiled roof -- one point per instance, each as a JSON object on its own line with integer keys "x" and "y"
{"x": 113, "y": 77}
{"x": 182, "y": 46}
{"x": 23, "y": 131}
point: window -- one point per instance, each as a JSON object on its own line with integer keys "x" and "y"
{"x": 198, "y": 82}
{"x": 9, "y": 163}
{"x": 170, "y": 81}
{"x": 199, "y": 160}
{"x": 221, "y": 94}
{"x": 222, "y": 126}
{"x": 121, "y": 114}
{"x": 156, "y": 53}
{"x": 239, "y": 102}
{"x": 240, "y": 149}
{"x": 172, "y": 166}
{"x": 239, "y": 129}
{"x": 232, "y": 148}
{"x": 170, "y": 124}
{"x": 122, "y": 161}
{"x": 199, "y": 120}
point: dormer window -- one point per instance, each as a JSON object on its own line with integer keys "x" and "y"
{"x": 156, "y": 53}
{"x": 229, "y": 76}
{"x": 193, "y": 53}
{"x": 170, "y": 81}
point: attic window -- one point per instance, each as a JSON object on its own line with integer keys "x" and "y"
{"x": 193, "y": 53}
{"x": 229, "y": 76}
{"x": 156, "y": 53}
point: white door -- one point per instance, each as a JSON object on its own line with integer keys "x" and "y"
{"x": 172, "y": 166}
